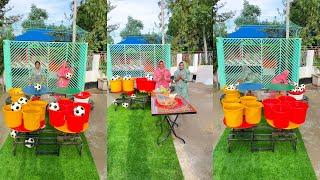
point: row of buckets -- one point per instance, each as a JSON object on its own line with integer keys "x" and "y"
{"x": 65, "y": 120}
{"x": 284, "y": 112}
{"x": 142, "y": 84}
{"x": 30, "y": 118}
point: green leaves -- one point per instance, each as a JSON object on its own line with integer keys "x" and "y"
{"x": 133, "y": 28}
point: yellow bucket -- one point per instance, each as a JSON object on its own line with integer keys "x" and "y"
{"x": 31, "y": 117}
{"x": 231, "y": 93}
{"x": 233, "y": 113}
{"x": 42, "y": 105}
{"x": 116, "y": 86}
{"x": 128, "y": 85}
{"x": 12, "y": 119}
{"x": 15, "y": 94}
{"x": 225, "y": 101}
{"x": 247, "y": 99}
{"x": 252, "y": 112}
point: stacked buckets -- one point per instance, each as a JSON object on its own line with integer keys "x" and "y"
{"x": 121, "y": 85}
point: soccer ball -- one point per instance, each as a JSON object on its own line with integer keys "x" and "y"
{"x": 117, "y": 77}
{"x": 113, "y": 78}
{"x": 125, "y": 105}
{"x": 79, "y": 111}
{"x": 147, "y": 76}
{"x": 303, "y": 86}
{"x": 133, "y": 96}
{"x": 300, "y": 89}
{"x": 232, "y": 87}
{"x": 68, "y": 75}
{"x": 125, "y": 78}
{"x": 150, "y": 78}
{"x": 29, "y": 142}
{"x": 228, "y": 88}
{"x": 23, "y": 100}
{"x": 37, "y": 87}
{"x": 13, "y": 134}
{"x": 115, "y": 102}
{"x": 54, "y": 106}
{"x": 129, "y": 77}
{"x": 296, "y": 84}
{"x": 15, "y": 106}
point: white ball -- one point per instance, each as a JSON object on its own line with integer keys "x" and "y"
{"x": 15, "y": 106}
{"x": 303, "y": 86}
{"x": 125, "y": 105}
{"x": 147, "y": 76}
{"x": 113, "y": 78}
{"x": 300, "y": 89}
{"x": 37, "y": 87}
{"x": 294, "y": 90}
{"x": 54, "y": 106}
{"x": 79, "y": 111}
{"x": 29, "y": 142}
{"x": 13, "y": 134}
{"x": 117, "y": 77}
{"x": 68, "y": 75}
{"x": 115, "y": 102}
{"x": 23, "y": 100}
{"x": 133, "y": 96}
{"x": 125, "y": 78}
{"x": 150, "y": 78}
{"x": 129, "y": 77}
{"x": 228, "y": 88}
{"x": 296, "y": 84}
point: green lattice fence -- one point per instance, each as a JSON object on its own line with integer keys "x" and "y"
{"x": 20, "y": 56}
{"x": 136, "y": 59}
{"x": 259, "y": 60}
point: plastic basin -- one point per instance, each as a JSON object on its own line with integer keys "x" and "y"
{"x": 252, "y": 112}
{"x": 12, "y": 119}
{"x": 233, "y": 113}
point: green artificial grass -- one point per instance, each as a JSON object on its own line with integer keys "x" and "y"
{"x": 241, "y": 163}
{"x": 26, "y": 165}
{"x": 132, "y": 149}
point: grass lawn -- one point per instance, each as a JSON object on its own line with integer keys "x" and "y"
{"x": 132, "y": 149}
{"x": 241, "y": 163}
{"x": 26, "y": 165}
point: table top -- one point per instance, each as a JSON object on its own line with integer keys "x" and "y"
{"x": 249, "y": 87}
{"x": 66, "y": 91}
{"x": 280, "y": 87}
{"x": 185, "y": 108}
{"x": 30, "y": 90}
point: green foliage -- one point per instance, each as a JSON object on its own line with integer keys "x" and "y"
{"x": 133, "y": 28}
{"x": 305, "y": 13}
{"x": 152, "y": 38}
{"x": 92, "y": 17}
{"x": 36, "y": 18}
{"x": 110, "y": 27}
{"x": 249, "y": 14}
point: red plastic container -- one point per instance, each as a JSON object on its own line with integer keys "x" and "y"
{"x": 150, "y": 86}
{"x": 281, "y": 115}
{"x": 74, "y": 123}
{"x": 140, "y": 83}
{"x": 65, "y": 104}
{"x": 299, "y": 112}
{"x": 87, "y": 108}
{"x": 268, "y": 103}
{"x": 287, "y": 99}
{"x": 57, "y": 118}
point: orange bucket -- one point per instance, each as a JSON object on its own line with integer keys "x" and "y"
{"x": 42, "y": 105}
{"x": 247, "y": 99}
{"x": 15, "y": 94}
{"x": 252, "y": 112}
{"x": 116, "y": 86}
{"x": 233, "y": 113}
{"x": 128, "y": 85}
{"x": 31, "y": 117}
{"x": 12, "y": 119}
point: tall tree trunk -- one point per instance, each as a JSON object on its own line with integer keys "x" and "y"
{"x": 205, "y": 44}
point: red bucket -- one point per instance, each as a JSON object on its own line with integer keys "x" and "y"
{"x": 268, "y": 103}
{"x": 74, "y": 123}
{"x": 65, "y": 104}
{"x": 87, "y": 108}
{"x": 57, "y": 118}
{"x": 140, "y": 83}
{"x": 287, "y": 99}
{"x": 150, "y": 86}
{"x": 299, "y": 112}
{"x": 281, "y": 115}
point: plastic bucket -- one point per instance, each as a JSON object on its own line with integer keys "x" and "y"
{"x": 31, "y": 117}
{"x": 225, "y": 101}
{"x": 82, "y": 97}
{"x": 15, "y": 94}
{"x": 74, "y": 123}
{"x": 281, "y": 115}
{"x": 128, "y": 85}
{"x": 116, "y": 86}
{"x": 233, "y": 113}
{"x": 87, "y": 108}
{"x": 42, "y": 105}
{"x": 287, "y": 99}
{"x": 246, "y": 99}
{"x": 57, "y": 118}
{"x": 268, "y": 103}
{"x": 12, "y": 119}
{"x": 65, "y": 104}
{"x": 150, "y": 86}
{"x": 299, "y": 112}
{"x": 140, "y": 83}
{"x": 252, "y": 112}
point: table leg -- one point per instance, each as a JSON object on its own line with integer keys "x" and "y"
{"x": 160, "y": 123}
{"x": 172, "y": 127}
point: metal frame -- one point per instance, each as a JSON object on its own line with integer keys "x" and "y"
{"x": 172, "y": 124}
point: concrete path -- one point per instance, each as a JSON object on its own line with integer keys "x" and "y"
{"x": 3, "y": 128}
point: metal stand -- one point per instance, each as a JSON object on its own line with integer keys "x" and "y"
{"x": 71, "y": 139}
{"x": 171, "y": 130}
{"x": 141, "y": 101}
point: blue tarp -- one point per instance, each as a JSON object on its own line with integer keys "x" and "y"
{"x": 134, "y": 40}
{"x": 36, "y": 35}
{"x": 252, "y": 31}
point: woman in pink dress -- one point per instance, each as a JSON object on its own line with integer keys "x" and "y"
{"x": 162, "y": 76}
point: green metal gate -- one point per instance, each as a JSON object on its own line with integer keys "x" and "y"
{"x": 20, "y": 56}
{"x": 257, "y": 59}
{"x": 136, "y": 59}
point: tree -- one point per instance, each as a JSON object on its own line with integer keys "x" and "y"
{"x": 249, "y": 14}
{"x": 36, "y": 18}
{"x": 112, "y": 27}
{"x": 133, "y": 28}
{"x": 92, "y": 16}
{"x": 305, "y": 13}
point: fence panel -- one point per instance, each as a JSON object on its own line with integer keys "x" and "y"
{"x": 136, "y": 59}
{"x": 20, "y": 56}
{"x": 257, "y": 59}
